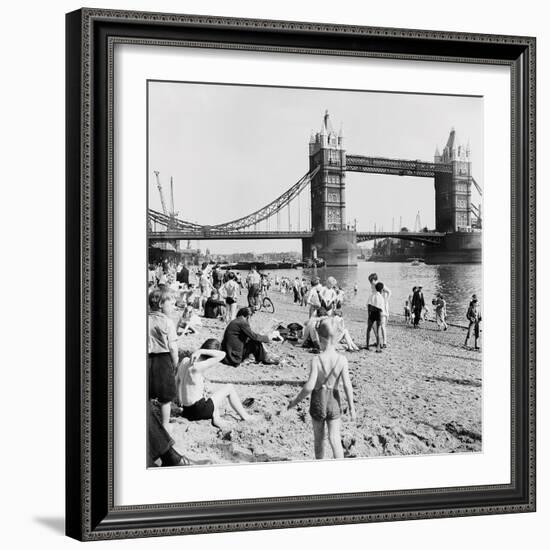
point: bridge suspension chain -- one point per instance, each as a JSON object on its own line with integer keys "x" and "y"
{"x": 171, "y": 221}
{"x": 274, "y": 207}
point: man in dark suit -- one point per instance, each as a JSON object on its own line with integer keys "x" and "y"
{"x": 183, "y": 275}
{"x": 239, "y": 341}
{"x": 417, "y": 305}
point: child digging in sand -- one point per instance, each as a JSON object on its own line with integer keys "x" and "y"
{"x": 327, "y": 370}
{"x": 190, "y": 385}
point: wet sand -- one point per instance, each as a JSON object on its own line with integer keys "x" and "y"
{"x": 420, "y": 395}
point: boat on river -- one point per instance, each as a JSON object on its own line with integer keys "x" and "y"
{"x": 417, "y": 261}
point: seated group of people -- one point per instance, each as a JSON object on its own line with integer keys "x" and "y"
{"x": 324, "y": 302}
{"x": 175, "y": 378}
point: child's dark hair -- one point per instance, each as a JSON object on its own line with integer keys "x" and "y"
{"x": 211, "y": 343}
{"x": 326, "y": 329}
{"x": 379, "y": 287}
{"x": 244, "y": 312}
{"x": 158, "y": 296}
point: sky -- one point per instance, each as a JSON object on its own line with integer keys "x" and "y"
{"x": 231, "y": 149}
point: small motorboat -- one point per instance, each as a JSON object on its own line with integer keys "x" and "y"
{"x": 417, "y": 261}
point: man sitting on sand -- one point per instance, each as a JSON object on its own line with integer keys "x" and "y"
{"x": 190, "y": 387}
{"x": 239, "y": 341}
{"x": 214, "y": 306}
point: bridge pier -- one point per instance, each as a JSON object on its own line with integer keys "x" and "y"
{"x": 336, "y": 248}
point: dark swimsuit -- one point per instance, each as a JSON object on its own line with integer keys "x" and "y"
{"x": 325, "y": 400}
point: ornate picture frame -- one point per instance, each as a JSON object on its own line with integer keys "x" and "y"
{"x": 90, "y": 40}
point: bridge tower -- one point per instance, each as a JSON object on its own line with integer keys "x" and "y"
{"x": 333, "y": 240}
{"x": 453, "y": 191}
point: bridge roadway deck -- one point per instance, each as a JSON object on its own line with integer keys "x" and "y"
{"x": 426, "y": 237}
{"x": 429, "y": 237}
{"x": 226, "y": 235}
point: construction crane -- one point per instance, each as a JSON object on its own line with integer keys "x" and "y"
{"x": 173, "y": 213}
{"x": 161, "y": 193}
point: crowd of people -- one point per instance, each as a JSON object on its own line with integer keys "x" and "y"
{"x": 176, "y": 374}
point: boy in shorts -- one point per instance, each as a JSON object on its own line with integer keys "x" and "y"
{"x": 376, "y": 307}
{"x": 163, "y": 351}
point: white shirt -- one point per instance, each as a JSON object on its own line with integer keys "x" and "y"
{"x": 328, "y": 295}
{"x": 377, "y": 300}
{"x": 386, "y": 293}
{"x": 253, "y": 278}
{"x": 313, "y": 300}
{"x": 230, "y": 289}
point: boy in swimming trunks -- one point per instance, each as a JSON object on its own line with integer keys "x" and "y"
{"x": 190, "y": 387}
{"x": 328, "y": 369}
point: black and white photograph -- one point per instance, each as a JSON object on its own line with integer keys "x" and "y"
{"x": 314, "y": 281}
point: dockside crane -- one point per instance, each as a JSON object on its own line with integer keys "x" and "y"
{"x": 171, "y": 214}
{"x": 161, "y": 193}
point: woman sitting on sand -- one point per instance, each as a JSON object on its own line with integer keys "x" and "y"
{"x": 311, "y": 338}
{"x": 342, "y": 333}
{"x": 190, "y": 387}
{"x": 327, "y": 370}
{"x": 342, "y": 336}
{"x": 189, "y": 322}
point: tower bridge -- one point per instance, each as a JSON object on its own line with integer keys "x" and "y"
{"x": 327, "y": 234}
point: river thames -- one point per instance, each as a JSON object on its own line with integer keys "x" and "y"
{"x": 456, "y": 282}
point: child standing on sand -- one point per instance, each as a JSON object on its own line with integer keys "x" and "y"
{"x": 163, "y": 351}
{"x": 474, "y": 317}
{"x": 327, "y": 370}
{"x": 440, "y": 312}
{"x": 376, "y": 306}
{"x": 407, "y": 312}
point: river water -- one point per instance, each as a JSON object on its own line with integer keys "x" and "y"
{"x": 457, "y": 283}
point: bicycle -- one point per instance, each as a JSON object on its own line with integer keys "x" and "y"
{"x": 263, "y": 304}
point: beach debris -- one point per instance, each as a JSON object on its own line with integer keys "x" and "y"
{"x": 226, "y": 435}
{"x": 248, "y": 402}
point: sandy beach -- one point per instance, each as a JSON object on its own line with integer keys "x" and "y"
{"x": 422, "y": 395}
